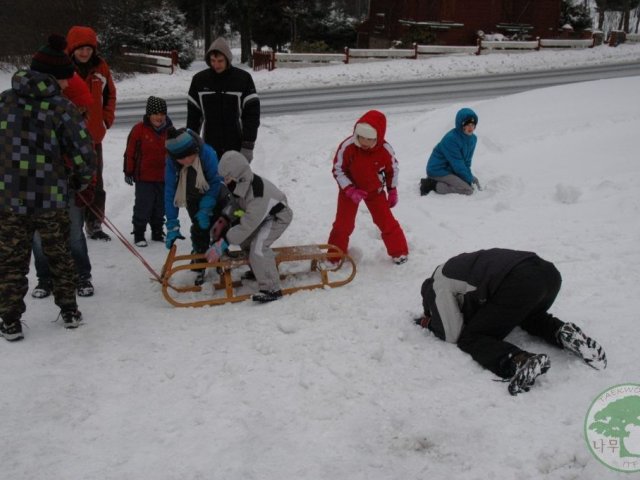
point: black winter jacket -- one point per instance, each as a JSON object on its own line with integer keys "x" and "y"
{"x": 463, "y": 284}
{"x": 224, "y": 108}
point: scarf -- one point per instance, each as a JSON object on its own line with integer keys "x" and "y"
{"x": 180, "y": 200}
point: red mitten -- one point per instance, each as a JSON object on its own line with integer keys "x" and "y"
{"x": 356, "y": 195}
{"x": 392, "y": 197}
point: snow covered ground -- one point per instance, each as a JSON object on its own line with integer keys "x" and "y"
{"x": 339, "y": 384}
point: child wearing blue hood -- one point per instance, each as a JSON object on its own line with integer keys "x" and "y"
{"x": 449, "y": 166}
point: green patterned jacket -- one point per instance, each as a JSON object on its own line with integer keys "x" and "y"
{"x": 44, "y": 144}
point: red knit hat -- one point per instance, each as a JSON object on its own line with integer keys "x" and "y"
{"x": 80, "y": 37}
{"x": 52, "y": 59}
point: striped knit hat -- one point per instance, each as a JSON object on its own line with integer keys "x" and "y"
{"x": 181, "y": 143}
{"x": 51, "y": 59}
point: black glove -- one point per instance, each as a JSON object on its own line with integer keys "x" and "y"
{"x": 128, "y": 179}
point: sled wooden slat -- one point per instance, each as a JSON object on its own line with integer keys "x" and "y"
{"x": 315, "y": 254}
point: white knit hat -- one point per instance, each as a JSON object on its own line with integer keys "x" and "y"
{"x": 366, "y": 131}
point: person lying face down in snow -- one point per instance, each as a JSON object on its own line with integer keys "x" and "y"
{"x": 266, "y": 216}
{"x": 476, "y": 299}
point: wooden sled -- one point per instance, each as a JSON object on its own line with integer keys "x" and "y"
{"x": 309, "y": 257}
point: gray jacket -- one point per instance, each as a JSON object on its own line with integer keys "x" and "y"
{"x": 258, "y": 197}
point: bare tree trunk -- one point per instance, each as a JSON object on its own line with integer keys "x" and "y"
{"x": 626, "y": 14}
{"x": 245, "y": 40}
{"x": 206, "y": 25}
{"x": 601, "y": 12}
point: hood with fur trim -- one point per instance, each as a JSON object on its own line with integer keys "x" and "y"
{"x": 378, "y": 121}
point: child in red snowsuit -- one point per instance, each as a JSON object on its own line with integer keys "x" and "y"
{"x": 364, "y": 165}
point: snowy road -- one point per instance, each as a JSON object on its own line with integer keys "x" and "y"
{"x": 424, "y": 92}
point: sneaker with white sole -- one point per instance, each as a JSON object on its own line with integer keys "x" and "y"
{"x": 84, "y": 288}
{"x": 573, "y": 339}
{"x": 528, "y": 367}
{"x": 71, "y": 318}
{"x": 141, "y": 243}
{"x": 42, "y": 290}
{"x": 11, "y": 331}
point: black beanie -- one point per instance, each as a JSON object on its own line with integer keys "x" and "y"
{"x": 156, "y": 105}
{"x": 52, "y": 59}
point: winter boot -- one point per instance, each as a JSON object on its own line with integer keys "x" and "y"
{"x": 85, "y": 287}
{"x": 11, "y": 330}
{"x": 157, "y": 235}
{"x": 199, "y": 277}
{"x": 139, "y": 240}
{"x": 265, "y": 296}
{"x": 527, "y": 366}
{"x": 400, "y": 259}
{"x": 572, "y": 338}
{"x": 427, "y": 185}
{"x": 99, "y": 235}
{"x": 43, "y": 289}
{"x": 71, "y": 318}
{"x": 248, "y": 275}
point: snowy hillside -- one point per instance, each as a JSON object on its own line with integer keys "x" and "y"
{"x": 339, "y": 384}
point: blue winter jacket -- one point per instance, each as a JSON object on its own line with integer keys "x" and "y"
{"x": 209, "y": 162}
{"x": 454, "y": 153}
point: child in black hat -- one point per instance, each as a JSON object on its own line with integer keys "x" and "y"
{"x": 144, "y": 165}
{"x": 40, "y": 128}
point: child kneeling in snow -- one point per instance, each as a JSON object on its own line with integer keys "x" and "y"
{"x": 449, "y": 166}
{"x": 266, "y": 216}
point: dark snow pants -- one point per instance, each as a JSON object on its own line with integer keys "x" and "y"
{"x": 92, "y": 221}
{"x": 522, "y": 299}
{"x": 148, "y": 207}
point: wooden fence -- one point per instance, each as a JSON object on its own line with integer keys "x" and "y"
{"x": 268, "y": 59}
{"x": 152, "y": 61}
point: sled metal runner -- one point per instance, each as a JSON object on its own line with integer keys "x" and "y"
{"x": 312, "y": 257}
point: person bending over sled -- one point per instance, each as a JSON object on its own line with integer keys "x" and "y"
{"x": 363, "y": 166}
{"x": 476, "y": 299}
{"x": 266, "y": 216}
{"x": 191, "y": 181}
{"x": 449, "y": 166}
